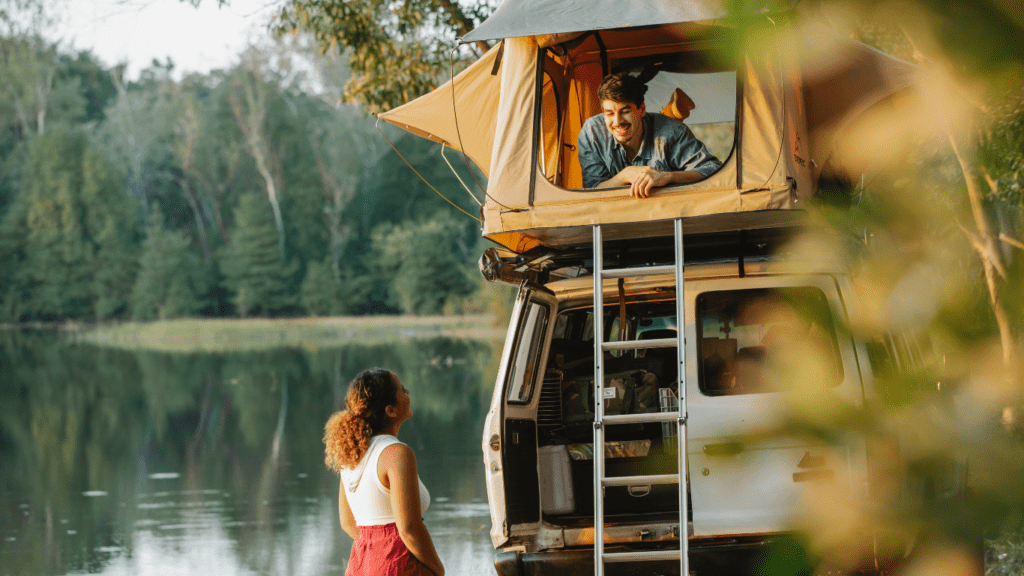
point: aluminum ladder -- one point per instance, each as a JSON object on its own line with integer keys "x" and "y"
{"x": 601, "y": 420}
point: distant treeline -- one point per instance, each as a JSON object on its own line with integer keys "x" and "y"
{"x": 243, "y": 192}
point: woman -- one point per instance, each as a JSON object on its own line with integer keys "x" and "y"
{"x": 381, "y": 500}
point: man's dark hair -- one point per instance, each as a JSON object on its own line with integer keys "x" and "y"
{"x": 622, "y": 87}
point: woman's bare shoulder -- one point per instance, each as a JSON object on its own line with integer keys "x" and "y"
{"x": 397, "y": 457}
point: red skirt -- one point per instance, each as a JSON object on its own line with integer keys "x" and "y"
{"x": 379, "y": 551}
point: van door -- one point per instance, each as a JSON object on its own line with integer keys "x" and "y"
{"x": 743, "y": 482}
{"x": 510, "y": 429}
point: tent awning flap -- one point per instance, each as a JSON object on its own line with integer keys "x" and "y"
{"x": 517, "y": 18}
{"x": 462, "y": 118}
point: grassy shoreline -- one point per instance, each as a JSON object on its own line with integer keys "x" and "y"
{"x": 246, "y": 334}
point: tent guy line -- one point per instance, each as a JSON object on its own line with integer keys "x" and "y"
{"x": 377, "y": 125}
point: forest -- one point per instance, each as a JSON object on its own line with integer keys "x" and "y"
{"x": 251, "y": 191}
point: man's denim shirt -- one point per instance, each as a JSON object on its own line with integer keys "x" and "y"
{"x": 668, "y": 145}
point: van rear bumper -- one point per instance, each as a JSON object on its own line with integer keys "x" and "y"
{"x": 720, "y": 559}
{"x": 728, "y": 558}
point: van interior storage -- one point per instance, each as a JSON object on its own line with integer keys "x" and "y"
{"x": 740, "y": 332}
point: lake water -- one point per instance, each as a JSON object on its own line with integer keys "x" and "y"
{"x": 125, "y": 463}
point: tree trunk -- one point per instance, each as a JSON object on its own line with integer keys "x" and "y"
{"x": 43, "y": 89}
{"x": 19, "y": 110}
{"x": 221, "y": 227}
{"x": 197, "y": 214}
{"x": 336, "y": 197}
{"x": 250, "y": 117}
{"x": 268, "y": 178}
{"x": 984, "y": 245}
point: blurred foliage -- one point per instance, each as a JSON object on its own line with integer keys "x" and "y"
{"x": 929, "y": 227}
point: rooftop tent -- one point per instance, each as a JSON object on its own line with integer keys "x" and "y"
{"x": 520, "y": 107}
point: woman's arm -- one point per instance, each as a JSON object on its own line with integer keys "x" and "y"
{"x": 348, "y": 521}
{"x": 397, "y": 467}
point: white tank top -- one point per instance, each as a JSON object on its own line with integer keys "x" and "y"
{"x": 369, "y": 499}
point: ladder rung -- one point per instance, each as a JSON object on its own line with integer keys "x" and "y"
{"x": 640, "y": 480}
{"x": 639, "y": 344}
{"x": 641, "y": 556}
{"x": 641, "y": 418}
{"x": 640, "y": 271}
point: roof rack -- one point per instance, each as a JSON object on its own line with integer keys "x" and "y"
{"x": 534, "y": 267}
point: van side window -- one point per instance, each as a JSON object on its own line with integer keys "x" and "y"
{"x": 524, "y": 368}
{"x": 902, "y": 362}
{"x": 740, "y": 333}
{"x": 881, "y": 355}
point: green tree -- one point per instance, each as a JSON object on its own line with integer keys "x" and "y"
{"x": 28, "y": 62}
{"x": 171, "y": 276}
{"x": 137, "y": 130}
{"x": 95, "y": 83}
{"x": 78, "y": 92}
{"x": 111, "y": 225}
{"x": 320, "y": 292}
{"x": 341, "y": 145}
{"x": 262, "y": 282}
{"x": 251, "y": 90}
{"x": 426, "y": 263}
{"x": 33, "y": 88}
{"x": 218, "y": 154}
{"x": 187, "y": 132}
{"x": 13, "y": 296}
{"x": 77, "y": 231}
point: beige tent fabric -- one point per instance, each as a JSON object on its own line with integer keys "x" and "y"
{"x": 842, "y": 82}
{"x": 763, "y": 121}
{"x": 800, "y": 165}
{"x": 552, "y": 39}
{"x": 791, "y": 111}
{"x": 511, "y": 161}
{"x": 546, "y": 17}
{"x": 471, "y": 128}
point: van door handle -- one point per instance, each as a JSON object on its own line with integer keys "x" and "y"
{"x": 723, "y": 449}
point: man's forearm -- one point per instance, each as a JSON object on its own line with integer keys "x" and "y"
{"x": 612, "y": 182}
{"x": 685, "y": 176}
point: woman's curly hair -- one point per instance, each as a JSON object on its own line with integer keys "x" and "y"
{"x": 347, "y": 433}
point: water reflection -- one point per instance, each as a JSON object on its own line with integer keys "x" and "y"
{"x": 116, "y": 462}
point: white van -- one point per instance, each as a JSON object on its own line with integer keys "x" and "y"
{"x": 745, "y": 309}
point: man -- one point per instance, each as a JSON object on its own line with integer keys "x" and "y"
{"x": 625, "y": 146}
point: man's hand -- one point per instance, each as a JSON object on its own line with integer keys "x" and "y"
{"x": 642, "y": 179}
